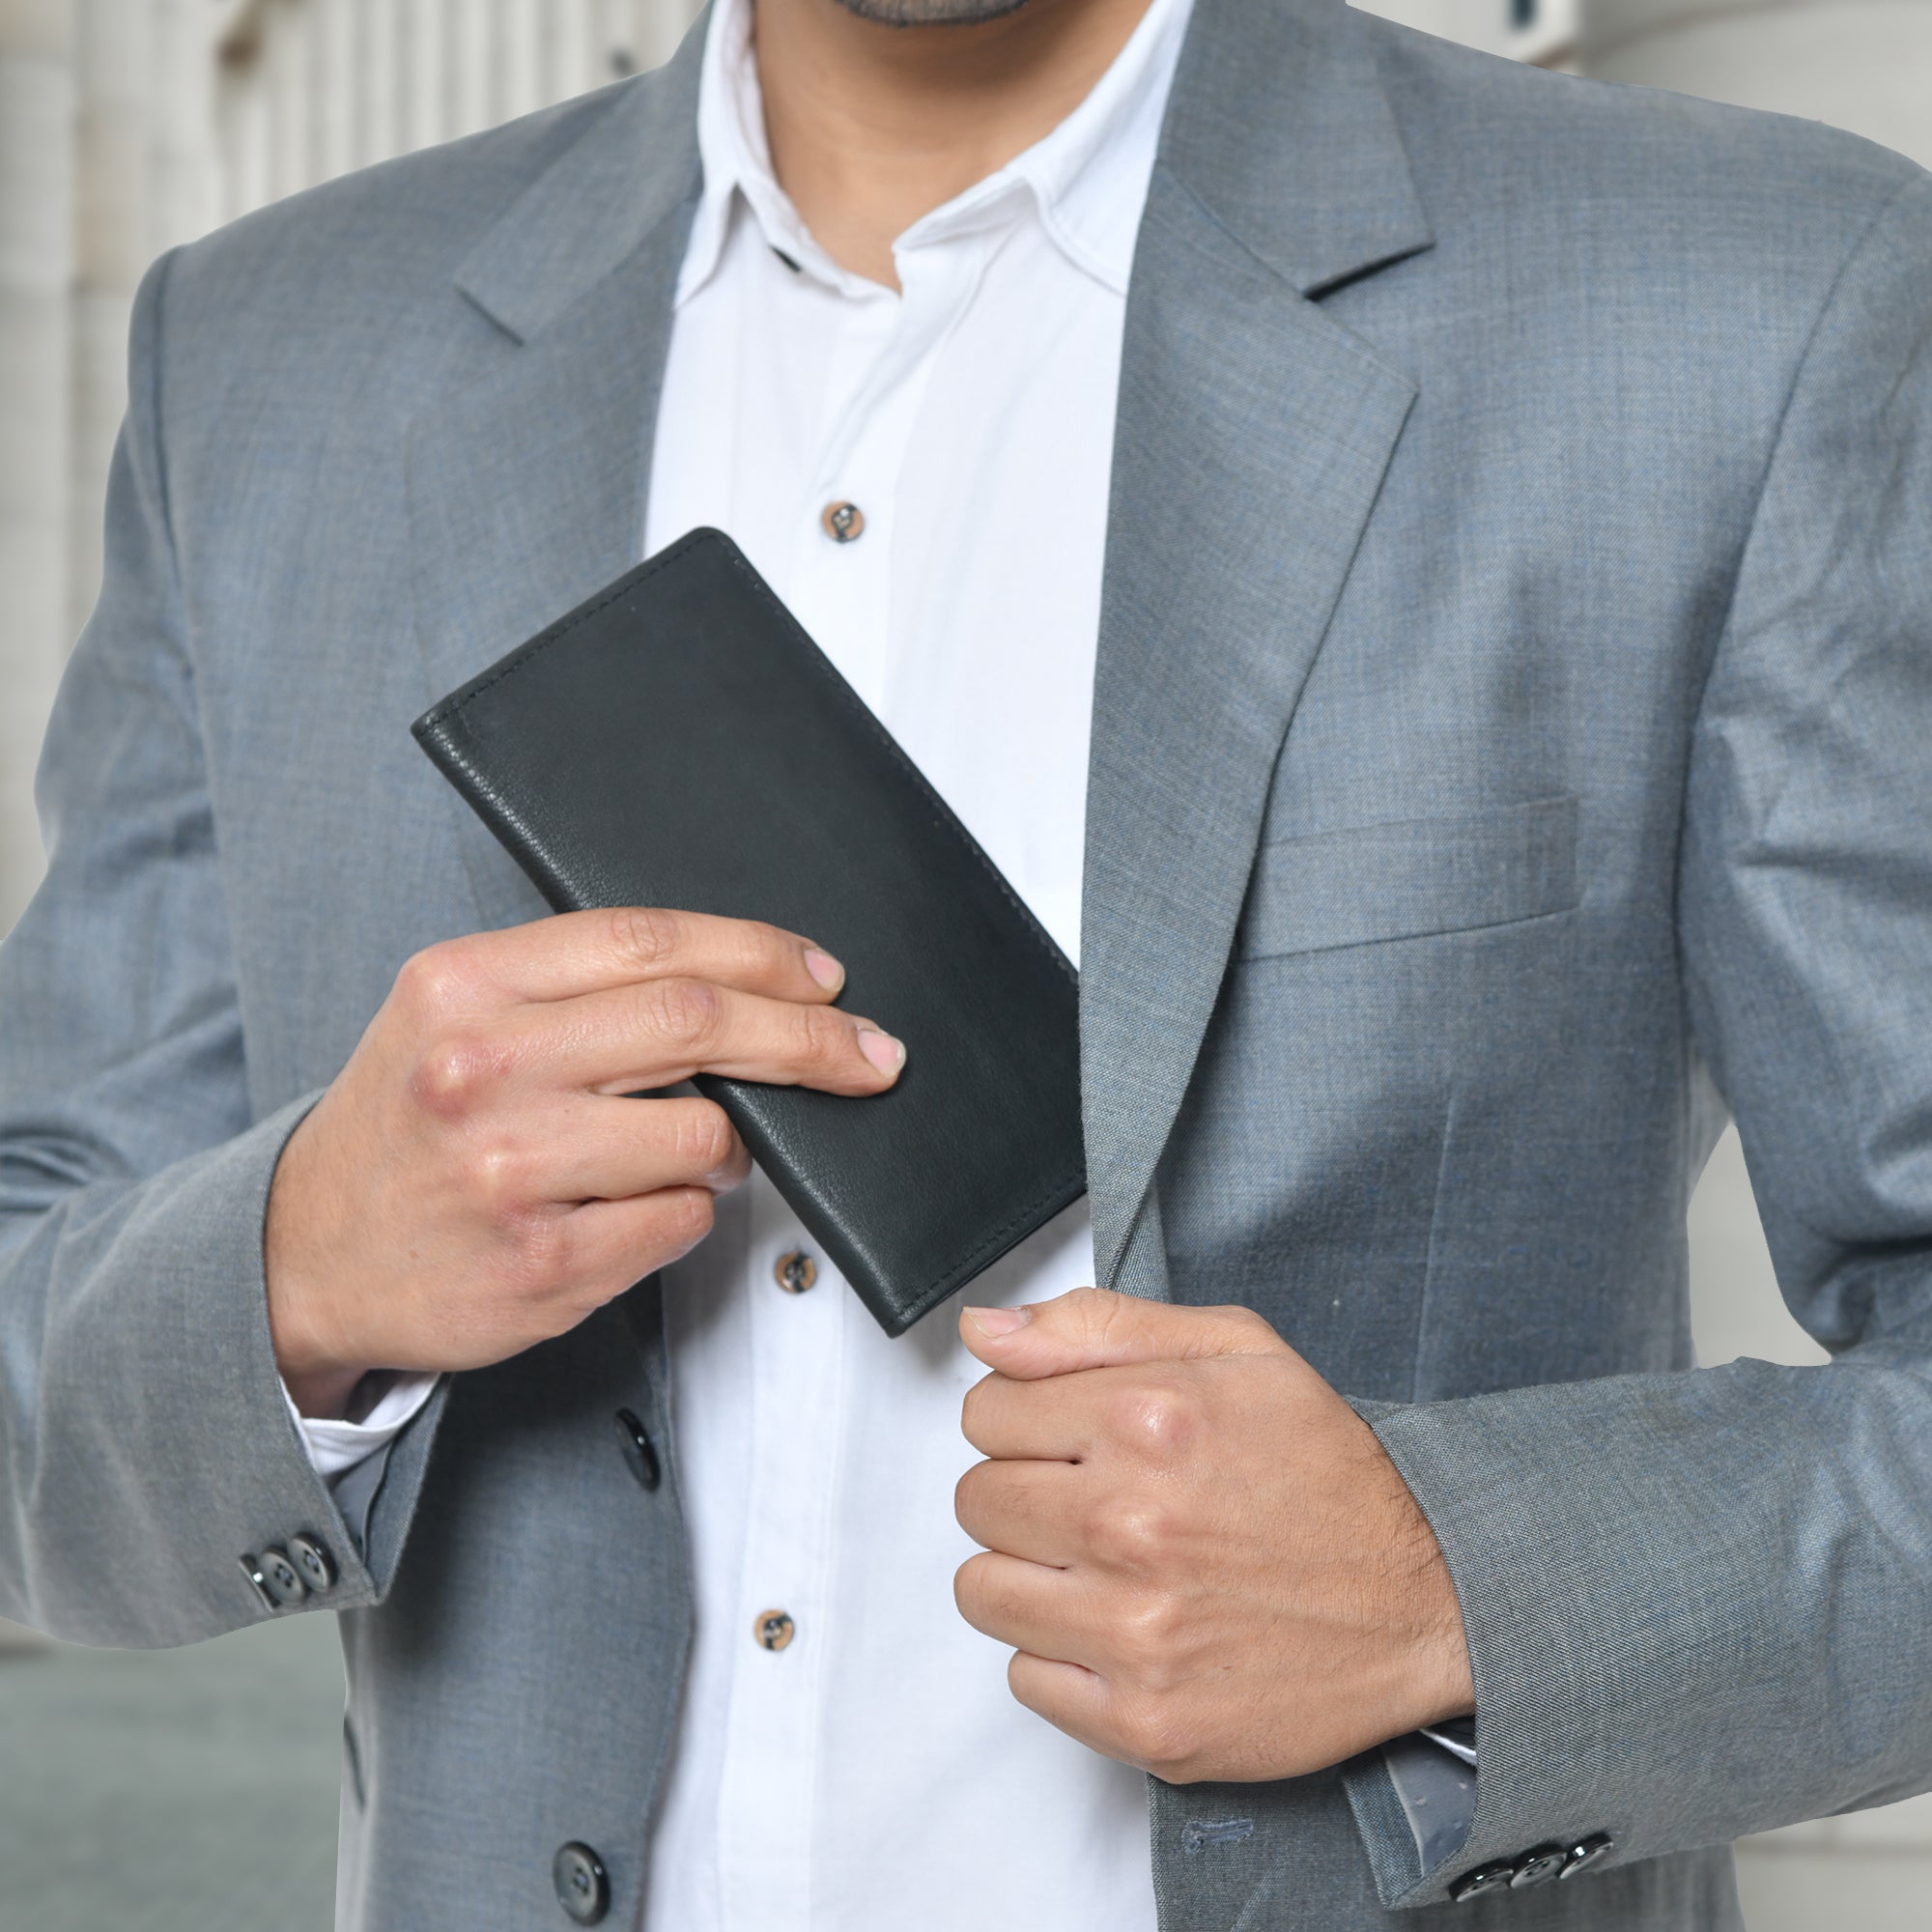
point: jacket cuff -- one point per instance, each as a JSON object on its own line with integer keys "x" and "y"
{"x": 186, "y": 1502}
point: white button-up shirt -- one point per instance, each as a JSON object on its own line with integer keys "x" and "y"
{"x": 877, "y": 1767}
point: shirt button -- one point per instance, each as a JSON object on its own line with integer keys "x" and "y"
{"x": 773, "y": 1629}
{"x": 843, "y": 522}
{"x": 795, "y": 1272}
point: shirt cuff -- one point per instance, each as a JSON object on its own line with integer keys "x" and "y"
{"x": 1436, "y": 1779}
{"x": 336, "y": 1447}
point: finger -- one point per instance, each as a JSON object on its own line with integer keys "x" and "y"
{"x": 1050, "y": 1421}
{"x": 1095, "y": 1328}
{"x": 1033, "y": 1511}
{"x": 1071, "y": 1698}
{"x": 577, "y": 953}
{"x": 596, "y": 1146}
{"x": 659, "y": 1031}
{"x": 1030, "y": 1606}
{"x": 611, "y": 1245}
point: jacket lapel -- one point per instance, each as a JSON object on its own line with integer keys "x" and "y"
{"x": 526, "y": 477}
{"x": 1252, "y": 439}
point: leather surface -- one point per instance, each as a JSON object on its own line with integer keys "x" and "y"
{"x": 678, "y": 740}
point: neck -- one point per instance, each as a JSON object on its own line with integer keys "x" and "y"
{"x": 872, "y": 125}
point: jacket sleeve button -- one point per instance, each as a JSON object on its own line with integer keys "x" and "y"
{"x": 1485, "y": 1878}
{"x": 283, "y": 1579}
{"x": 1587, "y": 1851}
{"x": 312, "y": 1558}
{"x": 582, "y": 1884}
{"x": 252, "y": 1568}
{"x": 1537, "y": 1865}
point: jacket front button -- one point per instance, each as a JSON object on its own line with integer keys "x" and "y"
{"x": 640, "y": 1455}
{"x": 582, "y": 1884}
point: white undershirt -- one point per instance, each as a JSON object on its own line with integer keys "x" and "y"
{"x": 876, "y": 1771}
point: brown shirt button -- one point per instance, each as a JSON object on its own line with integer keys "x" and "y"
{"x": 795, "y": 1272}
{"x": 843, "y": 522}
{"x": 773, "y": 1629}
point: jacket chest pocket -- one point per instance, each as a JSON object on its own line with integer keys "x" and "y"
{"x": 1405, "y": 880}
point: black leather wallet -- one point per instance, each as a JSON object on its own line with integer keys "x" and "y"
{"x": 679, "y": 741}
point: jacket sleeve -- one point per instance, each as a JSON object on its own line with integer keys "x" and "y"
{"x": 1699, "y": 1604}
{"x": 145, "y": 1445}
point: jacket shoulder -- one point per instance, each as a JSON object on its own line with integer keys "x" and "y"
{"x": 1493, "y": 141}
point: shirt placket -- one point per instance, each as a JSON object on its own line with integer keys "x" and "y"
{"x": 836, "y": 577}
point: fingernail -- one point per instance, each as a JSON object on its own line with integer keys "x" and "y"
{"x": 885, "y": 1052}
{"x": 1000, "y": 1321}
{"x": 825, "y": 969}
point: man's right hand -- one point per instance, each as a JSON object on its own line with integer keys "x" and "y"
{"x": 475, "y": 1181}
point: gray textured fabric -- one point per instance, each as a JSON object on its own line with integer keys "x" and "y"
{"x": 1512, "y": 721}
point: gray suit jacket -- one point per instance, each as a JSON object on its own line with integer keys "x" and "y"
{"x": 1510, "y": 735}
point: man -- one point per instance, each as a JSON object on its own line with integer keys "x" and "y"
{"x": 1418, "y": 569}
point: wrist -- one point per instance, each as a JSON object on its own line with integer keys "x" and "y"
{"x": 320, "y": 1377}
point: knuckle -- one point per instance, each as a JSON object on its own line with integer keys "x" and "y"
{"x": 1130, "y": 1534}
{"x": 538, "y": 1245}
{"x": 437, "y": 979}
{"x": 824, "y": 1036}
{"x": 681, "y": 1012}
{"x": 1235, "y": 1316}
{"x": 1147, "y": 1638}
{"x": 647, "y": 938}
{"x": 501, "y": 1180}
{"x": 1158, "y": 1419}
{"x": 704, "y": 1137}
{"x": 452, "y": 1075}
{"x": 1161, "y": 1736}
{"x": 688, "y": 1214}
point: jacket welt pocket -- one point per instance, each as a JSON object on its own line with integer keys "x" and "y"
{"x": 1405, "y": 880}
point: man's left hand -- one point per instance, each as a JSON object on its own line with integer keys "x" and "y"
{"x": 1206, "y": 1563}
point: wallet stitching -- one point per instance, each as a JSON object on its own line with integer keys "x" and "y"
{"x": 942, "y": 813}
{"x": 1000, "y": 1233}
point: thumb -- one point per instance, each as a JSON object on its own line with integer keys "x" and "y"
{"x": 1095, "y": 1328}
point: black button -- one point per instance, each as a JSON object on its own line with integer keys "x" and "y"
{"x": 252, "y": 1568}
{"x": 1587, "y": 1851}
{"x": 639, "y": 1451}
{"x": 1485, "y": 1878}
{"x": 1538, "y": 1866}
{"x": 312, "y": 1558}
{"x": 582, "y": 1884}
{"x": 283, "y": 1579}
{"x": 843, "y": 522}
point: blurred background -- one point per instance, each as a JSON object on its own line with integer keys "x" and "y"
{"x": 195, "y": 1791}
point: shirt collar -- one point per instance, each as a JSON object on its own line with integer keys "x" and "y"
{"x": 1088, "y": 177}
